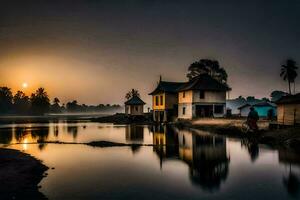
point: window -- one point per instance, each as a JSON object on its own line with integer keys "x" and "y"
{"x": 219, "y": 109}
{"x": 161, "y": 100}
{"x": 183, "y": 94}
{"x": 156, "y": 100}
{"x": 183, "y": 111}
{"x": 136, "y": 108}
{"x": 202, "y": 94}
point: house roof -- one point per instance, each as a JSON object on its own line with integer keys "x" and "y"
{"x": 289, "y": 99}
{"x": 135, "y": 100}
{"x": 260, "y": 104}
{"x": 204, "y": 82}
{"x": 168, "y": 87}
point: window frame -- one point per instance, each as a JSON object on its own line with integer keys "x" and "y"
{"x": 161, "y": 99}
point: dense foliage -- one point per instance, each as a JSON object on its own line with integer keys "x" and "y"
{"x": 39, "y": 103}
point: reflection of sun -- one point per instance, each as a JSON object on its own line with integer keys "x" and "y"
{"x": 24, "y": 85}
{"x": 25, "y": 144}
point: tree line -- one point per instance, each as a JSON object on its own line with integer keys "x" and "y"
{"x": 212, "y": 67}
{"x": 38, "y": 103}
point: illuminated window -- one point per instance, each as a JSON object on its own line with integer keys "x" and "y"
{"x": 156, "y": 101}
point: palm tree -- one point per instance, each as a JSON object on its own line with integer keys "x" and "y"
{"x": 289, "y": 72}
{"x": 56, "y": 101}
{"x": 132, "y": 93}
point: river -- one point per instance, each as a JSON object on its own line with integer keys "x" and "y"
{"x": 180, "y": 164}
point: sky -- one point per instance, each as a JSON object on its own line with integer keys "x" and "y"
{"x": 95, "y": 51}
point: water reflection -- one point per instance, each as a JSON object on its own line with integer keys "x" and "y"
{"x": 6, "y": 135}
{"x": 252, "y": 147}
{"x": 56, "y": 130}
{"x": 199, "y": 163}
{"x": 40, "y": 135}
{"x": 291, "y": 179}
{"x": 205, "y": 154}
{"x": 134, "y": 134}
{"x": 73, "y": 130}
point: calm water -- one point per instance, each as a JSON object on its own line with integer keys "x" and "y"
{"x": 180, "y": 165}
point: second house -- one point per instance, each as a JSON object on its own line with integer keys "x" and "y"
{"x": 202, "y": 96}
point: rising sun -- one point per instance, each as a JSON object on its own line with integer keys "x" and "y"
{"x": 24, "y": 85}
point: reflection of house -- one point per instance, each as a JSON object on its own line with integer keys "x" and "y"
{"x": 203, "y": 96}
{"x": 288, "y": 108}
{"x": 134, "y": 106}
{"x": 165, "y": 142}
{"x": 134, "y": 133}
{"x": 205, "y": 155}
{"x": 291, "y": 180}
{"x": 165, "y": 101}
{"x": 262, "y": 108}
{"x": 207, "y": 158}
{"x": 289, "y": 157}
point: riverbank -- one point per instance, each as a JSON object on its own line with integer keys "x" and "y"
{"x": 20, "y": 175}
{"x": 121, "y": 118}
{"x": 288, "y": 138}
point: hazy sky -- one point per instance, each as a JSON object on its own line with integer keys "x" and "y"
{"x": 95, "y": 51}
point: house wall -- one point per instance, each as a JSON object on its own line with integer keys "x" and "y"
{"x": 288, "y": 114}
{"x": 161, "y": 105}
{"x": 188, "y": 111}
{"x": 261, "y": 110}
{"x": 210, "y": 97}
{"x": 134, "y": 109}
{"x": 245, "y": 111}
{"x": 169, "y": 100}
{"x": 185, "y": 97}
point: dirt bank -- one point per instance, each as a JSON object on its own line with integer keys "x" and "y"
{"x": 20, "y": 175}
{"x": 288, "y": 138}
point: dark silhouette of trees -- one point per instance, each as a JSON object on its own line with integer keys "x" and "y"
{"x": 72, "y": 106}
{"x": 276, "y": 95}
{"x": 132, "y": 93}
{"x": 21, "y": 103}
{"x": 6, "y": 100}
{"x": 207, "y": 66}
{"x": 289, "y": 72}
{"x": 40, "y": 103}
{"x": 55, "y": 107}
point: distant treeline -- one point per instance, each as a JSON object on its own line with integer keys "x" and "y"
{"x": 38, "y": 103}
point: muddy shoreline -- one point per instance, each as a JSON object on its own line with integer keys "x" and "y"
{"x": 20, "y": 175}
{"x": 288, "y": 138}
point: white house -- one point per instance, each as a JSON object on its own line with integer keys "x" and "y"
{"x": 202, "y": 96}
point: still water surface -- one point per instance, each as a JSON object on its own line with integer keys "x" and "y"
{"x": 181, "y": 164}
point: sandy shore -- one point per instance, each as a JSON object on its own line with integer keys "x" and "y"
{"x": 20, "y": 175}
